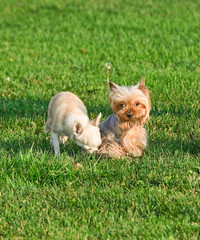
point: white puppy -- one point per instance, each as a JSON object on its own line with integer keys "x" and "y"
{"x": 67, "y": 117}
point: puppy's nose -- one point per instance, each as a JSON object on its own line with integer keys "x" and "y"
{"x": 129, "y": 115}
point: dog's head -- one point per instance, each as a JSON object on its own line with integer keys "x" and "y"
{"x": 88, "y": 137}
{"x": 130, "y": 104}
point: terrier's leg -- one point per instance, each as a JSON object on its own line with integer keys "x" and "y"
{"x": 111, "y": 148}
{"x": 55, "y": 142}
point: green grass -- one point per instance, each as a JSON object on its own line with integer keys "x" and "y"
{"x": 41, "y": 51}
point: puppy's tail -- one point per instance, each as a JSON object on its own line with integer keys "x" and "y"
{"x": 47, "y": 126}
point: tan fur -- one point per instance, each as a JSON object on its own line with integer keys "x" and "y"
{"x": 69, "y": 101}
{"x": 111, "y": 148}
{"x": 67, "y": 116}
{"x": 123, "y": 133}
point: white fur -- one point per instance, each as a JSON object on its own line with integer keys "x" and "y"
{"x": 67, "y": 117}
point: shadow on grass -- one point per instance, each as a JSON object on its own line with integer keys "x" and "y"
{"x": 16, "y": 145}
{"x": 175, "y": 147}
{"x": 23, "y": 108}
{"x": 167, "y": 148}
{"x": 39, "y": 145}
{"x": 172, "y": 110}
{"x": 34, "y": 108}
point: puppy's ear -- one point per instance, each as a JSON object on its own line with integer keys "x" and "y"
{"x": 95, "y": 122}
{"x": 113, "y": 86}
{"x": 77, "y": 128}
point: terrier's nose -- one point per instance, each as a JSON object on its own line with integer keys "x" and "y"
{"x": 129, "y": 115}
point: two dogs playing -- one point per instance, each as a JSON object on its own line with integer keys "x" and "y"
{"x": 122, "y": 134}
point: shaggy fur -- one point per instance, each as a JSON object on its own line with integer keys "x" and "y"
{"x": 123, "y": 133}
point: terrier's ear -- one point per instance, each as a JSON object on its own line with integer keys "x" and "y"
{"x": 95, "y": 122}
{"x": 113, "y": 86}
{"x": 143, "y": 88}
{"x": 77, "y": 128}
{"x": 146, "y": 91}
{"x": 142, "y": 82}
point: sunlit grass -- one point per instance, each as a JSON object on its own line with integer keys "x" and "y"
{"x": 50, "y": 46}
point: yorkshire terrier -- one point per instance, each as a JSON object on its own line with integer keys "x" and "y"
{"x": 123, "y": 133}
{"x": 67, "y": 117}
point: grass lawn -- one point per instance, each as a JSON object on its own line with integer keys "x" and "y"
{"x": 47, "y": 46}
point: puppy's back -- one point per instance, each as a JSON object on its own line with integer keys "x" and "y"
{"x": 66, "y": 102}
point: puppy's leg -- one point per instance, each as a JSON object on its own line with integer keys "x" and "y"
{"x": 55, "y": 142}
{"x": 63, "y": 139}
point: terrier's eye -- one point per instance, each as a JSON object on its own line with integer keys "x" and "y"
{"x": 137, "y": 104}
{"x": 122, "y": 105}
